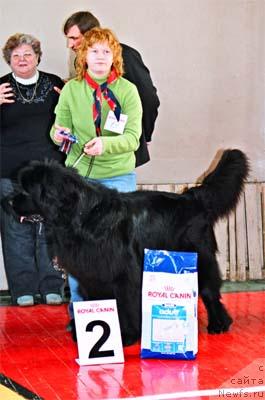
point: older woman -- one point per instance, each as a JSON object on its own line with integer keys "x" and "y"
{"x": 27, "y": 100}
{"x": 103, "y": 110}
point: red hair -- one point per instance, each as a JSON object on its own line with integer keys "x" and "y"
{"x": 98, "y": 35}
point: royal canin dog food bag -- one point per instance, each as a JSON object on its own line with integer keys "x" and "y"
{"x": 169, "y": 305}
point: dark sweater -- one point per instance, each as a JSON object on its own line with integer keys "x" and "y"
{"x": 25, "y": 127}
{"x": 137, "y": 73}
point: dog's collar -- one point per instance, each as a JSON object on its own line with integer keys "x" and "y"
{"x": 35, "y": 218}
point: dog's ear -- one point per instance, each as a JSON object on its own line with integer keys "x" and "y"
{"x": 52, "y": 189}
{"x": 30, "y": 176}
{"x": 37, "y": 181}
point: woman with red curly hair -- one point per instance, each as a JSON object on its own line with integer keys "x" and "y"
{"x": 102, "y": 110}
{"x": 103, "y": 113}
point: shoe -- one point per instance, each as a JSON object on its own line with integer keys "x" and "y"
{"x": 25, "y": 301}
{"x": 53, "y": 299}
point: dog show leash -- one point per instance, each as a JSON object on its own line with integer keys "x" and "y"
{"x": 90, "y": 163}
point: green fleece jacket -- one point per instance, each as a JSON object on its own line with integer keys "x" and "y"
{"x": 74, "y": 111}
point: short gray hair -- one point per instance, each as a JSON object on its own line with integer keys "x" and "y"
{"x": 17, "y": 40}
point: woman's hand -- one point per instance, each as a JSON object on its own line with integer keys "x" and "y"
{"x": 94, "y": 147}
{"x": 58, "y": 137}
{"x": 57, "y": 90}
{"x": 6, "y": 93}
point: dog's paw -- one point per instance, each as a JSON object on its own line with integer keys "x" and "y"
{"x": 129, "y": 340}
{"x": 221, "y": 325}
{"x": 71, "y": 328}
{"x": 73, "y": 333}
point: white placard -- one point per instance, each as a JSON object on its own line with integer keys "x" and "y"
{"x": 98, "y": 332}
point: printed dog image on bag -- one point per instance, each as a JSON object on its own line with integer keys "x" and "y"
{"x": 99, "y": 235}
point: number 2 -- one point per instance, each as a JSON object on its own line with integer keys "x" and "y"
{"x": 95, "y": 351}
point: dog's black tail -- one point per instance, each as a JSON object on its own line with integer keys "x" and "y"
{"x": 221, "y": 189}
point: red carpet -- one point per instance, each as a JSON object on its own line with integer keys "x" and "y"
{"x": 38, "y": 353}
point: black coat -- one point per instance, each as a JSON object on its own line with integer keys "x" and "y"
{"x": 137, "y": 73}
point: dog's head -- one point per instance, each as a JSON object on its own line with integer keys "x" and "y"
{"x": 45, "y": 190}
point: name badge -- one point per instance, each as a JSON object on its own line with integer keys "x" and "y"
{"x": 113, "y": 125}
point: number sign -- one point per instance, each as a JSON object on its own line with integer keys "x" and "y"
{"x": 98, "y": 332}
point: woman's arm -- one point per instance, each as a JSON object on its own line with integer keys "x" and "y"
{"x": 63, "y": 120}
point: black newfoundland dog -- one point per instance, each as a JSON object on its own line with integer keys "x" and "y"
{"x": 99, "y": 234}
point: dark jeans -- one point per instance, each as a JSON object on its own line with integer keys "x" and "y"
{"x": 28, "y": 266}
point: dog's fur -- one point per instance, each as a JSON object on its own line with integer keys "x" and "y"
{"x": 99, "y": 234}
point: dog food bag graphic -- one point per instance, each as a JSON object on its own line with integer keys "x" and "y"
{"x": 169, "y": 305}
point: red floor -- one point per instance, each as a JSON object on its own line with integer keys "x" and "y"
{"x": 38, "y": 353}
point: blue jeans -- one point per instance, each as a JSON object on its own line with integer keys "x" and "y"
{"x": 29, "y": 269}
{"x": 123, "y": 183}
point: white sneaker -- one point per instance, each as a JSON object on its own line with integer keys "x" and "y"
{"x": 26, "y": 300}
{"x": 53, "y": 299}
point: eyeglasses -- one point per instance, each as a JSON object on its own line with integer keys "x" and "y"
{"x": 26, "y": 56}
